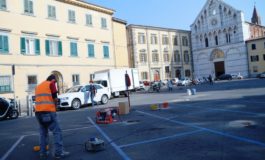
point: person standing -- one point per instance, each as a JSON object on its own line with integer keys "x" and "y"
{"x": 45, "y": 111}
{"x": 210, "y": 79}
{"x": 169, "y": 85}
{"x": 93, "y": 91}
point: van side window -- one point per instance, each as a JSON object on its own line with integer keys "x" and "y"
{"x": 104, "y": 83}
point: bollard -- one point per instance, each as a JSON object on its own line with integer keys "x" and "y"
{"x": 188, "y": 92}
{"x": 193, "y": 91}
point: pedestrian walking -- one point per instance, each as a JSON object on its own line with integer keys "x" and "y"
{"x": 93, "y": 92}
{"x": 45, "y": 111}
{"x": 170, "y": 85}
{"x": 210, "y": 79}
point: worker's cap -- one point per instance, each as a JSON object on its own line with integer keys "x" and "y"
{"x": 51, "y": 77}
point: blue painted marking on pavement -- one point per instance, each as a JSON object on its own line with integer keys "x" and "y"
{"x": 209, "y": 130}
{"x": 160, "y": 139}
{"x": 116, "y": 147}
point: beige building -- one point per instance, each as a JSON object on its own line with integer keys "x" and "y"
{"x": 256, "y": 56}
{"x": 159, "y": 53}
{"x": 69, "y": 38}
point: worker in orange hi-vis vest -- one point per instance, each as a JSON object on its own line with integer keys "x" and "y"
{"x": 45, "y": 111}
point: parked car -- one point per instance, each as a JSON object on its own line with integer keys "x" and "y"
{"x": 175, "y": 81}
{"x": 8, "y": 109}
{"x": 225, "y": 77}
{"x": 79, "y": 95}
{"x": 237, "y": 76}
{"x": 261, "y": 75}
{"x": 184, "y": 82}
{"x": 141, "y": 85}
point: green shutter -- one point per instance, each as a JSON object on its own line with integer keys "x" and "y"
{"x": 5, "y": 45}
{"x": 60, "y": 49}
{"x": 30, "y": 7}
{"x": 1, "y": 44}
{"x": 47, "y": 47}
{"x": 23, "y": 45}
{"x": 106, "y": 51}
{"x": 91, "y": 50}
{"x": 37, "y": 46}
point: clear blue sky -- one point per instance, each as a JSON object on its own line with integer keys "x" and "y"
{"x": 178, "y": 14}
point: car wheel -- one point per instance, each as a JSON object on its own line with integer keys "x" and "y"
{"x": 13, "y": 114}
{"x": 76, "y": 104}
{"x": 104, "y": 99}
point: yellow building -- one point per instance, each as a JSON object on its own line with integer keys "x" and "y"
{"x": 159, "y": 53}
{"x": 256, "y": 56}
{"x": 69, "y": 38}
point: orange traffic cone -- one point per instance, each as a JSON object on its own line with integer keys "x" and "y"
{"x": 37, "y": 148}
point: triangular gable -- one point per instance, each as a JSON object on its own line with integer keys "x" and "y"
{"x": 209, "y": 4}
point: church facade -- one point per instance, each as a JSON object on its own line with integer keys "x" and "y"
{"x": 218, "y": 37}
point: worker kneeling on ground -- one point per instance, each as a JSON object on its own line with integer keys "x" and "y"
{"x": 45, "y": 111}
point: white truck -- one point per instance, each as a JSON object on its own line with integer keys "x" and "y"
{"x": 114, "y": 80}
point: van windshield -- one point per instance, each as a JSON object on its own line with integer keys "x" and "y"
{"x": 102, "y": 82}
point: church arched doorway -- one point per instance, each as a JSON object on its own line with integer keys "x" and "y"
{"x": 217, "y": 57}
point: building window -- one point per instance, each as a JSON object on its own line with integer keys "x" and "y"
{"x": 106, "y": 51}
{"x": 32, "y": 82}
{"x": 51, "y": 12}
{"x": 187, "y": 73}
{"x": 91, "y": 50}
{"x": 175, "y": 40}
{"x": 71, "y": 16}
{"x": 216, "y": 40}
{"x": 103, "y": 23}
{"x": 29, "y": 46}
{"x": 206, "y": 42}
{"x": 2, "y": 4}
{"x": 185, "y": 41}
{"x": 164, "y": 40}
{"x": 141, "y": 38}
{"x": 186, "y": 57}
{"x": 153, "y": 39}
{"x": 4, "y": 47}
{"x": 53, "y": 48}
{"x": 264, "y": 57}
{"x": 73, "y": 49}
{"x": 5, "y": 84}
{"x": 143, "y": 57}
{"x": 253, "y": 46}
{"x": 176, "y": 56}
{"x": 264, "y": 42}
{"x": 89, "y": 20}
{"x": 155, "y": 57}
{"x": 75, "y": 79}
{"x": 144, "y": 75}
{"x": 28, "y": 6}
{"x": 255, "y": 69}
{"x": 166, "y": 57}
{"x": 254, "y": 58}
{"x": 228, "y": 38}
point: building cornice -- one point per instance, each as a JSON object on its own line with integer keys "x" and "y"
{"x": 157, "y": 28}
{"x": 84, "y": 4}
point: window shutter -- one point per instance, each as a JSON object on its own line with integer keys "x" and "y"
{"x": 73, "y": 47}
{"x": 106, "y": 51}
{"x": 1, "y": 44}
{"x": 91, "y": 50}
{"x": 47, "y": 47}
{"x": 5, "y": 45}
{"x": 23, "y": 45}
{"x": 26, "y": 7}
{"x": 60, "y": 49}
{"x": 37, "y": 46}
{"x": 30, "y": 7}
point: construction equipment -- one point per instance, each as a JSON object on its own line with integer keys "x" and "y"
{"x": 94, "y": 145}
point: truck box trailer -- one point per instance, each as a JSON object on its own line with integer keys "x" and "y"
{"x": 114, "y": 80}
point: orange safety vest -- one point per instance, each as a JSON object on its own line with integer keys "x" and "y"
{"x": 43, "y": 98}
